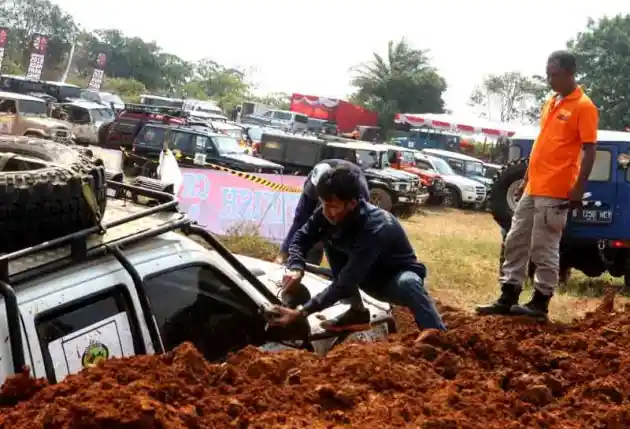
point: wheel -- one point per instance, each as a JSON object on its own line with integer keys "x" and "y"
{"x": 435, "y": 200}
{"x": 452, "y": 198}
{"x": 381, "y": 198}
{"x": 103, "y": 133}
{"x": 42, "y": 191}
{"x": 504, "y": 192}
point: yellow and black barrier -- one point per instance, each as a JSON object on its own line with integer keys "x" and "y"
{"x": 279, "y": 187}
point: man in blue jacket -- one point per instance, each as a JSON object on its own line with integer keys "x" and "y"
{"x": 309, "y": 201}
{"x": 366, "y": 248}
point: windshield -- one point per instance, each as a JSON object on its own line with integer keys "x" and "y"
{"x": 255, "y": 133}
{"x": 102, "y": 115}
{"x": 367, "y": 158}
{"x": 474, "y": 168}
{"x": 227, "y": 144}
{"x": 112, "y": 98}
{"x": 68, "y": 92}
{"x": 31, "y": 107}
{"x": 237, "y": 133}
{"x": 443, "y": 167}
{"x": 408, "y": 158}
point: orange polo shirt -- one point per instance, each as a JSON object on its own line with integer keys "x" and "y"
{"x": 565, "y": 125}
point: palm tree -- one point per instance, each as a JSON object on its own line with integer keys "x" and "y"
{"x": 403, "y": 81}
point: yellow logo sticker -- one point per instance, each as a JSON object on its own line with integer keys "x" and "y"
{"x": 93, "y": 354}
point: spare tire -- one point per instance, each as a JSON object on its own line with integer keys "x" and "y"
{"x": 42, "y": 191}
{"x": 504, "y": 187}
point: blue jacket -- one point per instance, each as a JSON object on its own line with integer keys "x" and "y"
{"x": 369, "y": 247}
{"x": 309, "y": 201}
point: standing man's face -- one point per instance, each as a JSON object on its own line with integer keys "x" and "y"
{"x": 559, "y": 79}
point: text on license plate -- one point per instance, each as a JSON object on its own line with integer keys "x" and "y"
{"x": 376, "y": 333}
{"x": 591, "y": 216}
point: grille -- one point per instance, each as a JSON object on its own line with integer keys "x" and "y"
{"x": 60, "y": 135}
{"x": 480, "y": 190}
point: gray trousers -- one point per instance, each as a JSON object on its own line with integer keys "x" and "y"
{"x": 537, "y": 227}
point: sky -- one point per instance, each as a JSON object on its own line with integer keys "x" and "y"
{"x": 309, "y": 47}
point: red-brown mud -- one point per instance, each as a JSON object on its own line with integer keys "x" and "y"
{"x": 483, "y": 373}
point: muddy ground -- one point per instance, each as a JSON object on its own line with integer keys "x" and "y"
{"x": 483, "y": 373}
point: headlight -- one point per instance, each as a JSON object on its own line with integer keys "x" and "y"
{"x": 469, "y": 188}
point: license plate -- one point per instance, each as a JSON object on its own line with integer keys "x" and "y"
{"x": 376, "y": 333}
{"x": 591, "y": 216}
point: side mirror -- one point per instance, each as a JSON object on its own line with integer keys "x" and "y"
{"x": 623, "y": 161}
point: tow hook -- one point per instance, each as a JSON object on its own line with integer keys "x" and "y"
{"x": 601, "y": 244}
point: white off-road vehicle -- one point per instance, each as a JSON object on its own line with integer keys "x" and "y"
{"x": 144, "y": 279}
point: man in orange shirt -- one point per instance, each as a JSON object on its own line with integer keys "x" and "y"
{"x": 559, "y": 166}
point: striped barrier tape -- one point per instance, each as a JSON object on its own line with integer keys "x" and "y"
{"x": 279, "y": 187}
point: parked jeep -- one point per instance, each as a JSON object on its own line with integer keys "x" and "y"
{"x": 86, "y": 119}
{"x": 23, "y": 115}
{"x": 195, "y": 147}
{"x": 597, "y": 237}
{"x": 404, "y": 159}
{"x": 388, "y": 187}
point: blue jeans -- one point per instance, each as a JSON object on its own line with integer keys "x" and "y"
{"x": 406, "y": 289}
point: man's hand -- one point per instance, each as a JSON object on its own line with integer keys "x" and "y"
{"x": 283, "y": 316}
{"x": 291, "y": 279}
{"x": 281, "y": 258}
{"x": 576, "y": 195}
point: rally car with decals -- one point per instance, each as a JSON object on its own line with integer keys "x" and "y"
{"x": 142, "y": 280}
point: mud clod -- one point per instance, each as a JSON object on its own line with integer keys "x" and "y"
{"x": 486, "y": 373}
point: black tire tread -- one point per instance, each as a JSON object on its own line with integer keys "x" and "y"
{"x": 502, "y": 181}
{"x": 40, "y": 205}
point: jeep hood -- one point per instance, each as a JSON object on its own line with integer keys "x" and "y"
{"x": 458, "y": 180}
{"x": 47, "y": 123}
{"x": 270, "y": 275}
{"x": 252, "y": 160}
{"x": 389, "y": 174}
{"x": 486, "y": 181}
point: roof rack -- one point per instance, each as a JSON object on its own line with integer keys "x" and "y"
{"x": 82, "y": 249}
{"x": 156, "y": 110}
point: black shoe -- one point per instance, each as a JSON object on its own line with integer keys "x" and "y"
{"x": 352, "y": 320}
{"x": 503, "y": 305}
{"x": 537, "y": 308}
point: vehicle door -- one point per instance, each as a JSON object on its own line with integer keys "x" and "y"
{"x": 622, "y": 207}
{"x": 8, "y": 117}
{"x": 200, "y": 304}
{"x": 204, "y": 151}
{"x": 595, "y": 221}
{"x": 77, "y": 327}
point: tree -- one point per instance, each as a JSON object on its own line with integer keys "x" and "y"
{"x": 403, "y": 81}
{"x": 603, "y": 58}
{"x": 513, "y": 95}
{"x": 278, "y": 100}
{"x": 26, "y": 17}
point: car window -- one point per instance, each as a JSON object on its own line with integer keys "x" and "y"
{"x": 8, "y": 107}
{"x": 77, "y": 115}
{"x": 201, "y": 305}
{"x": 407, "y": 157}
{"x": 424, "y": 165}
{"x": 514, "y": 153}
{"x": 90, "y": 96}
{"x": 152, "y": 136}
{"x": 474, "y": 168}
{"x": 255, "y": 133}
{"x": 226, "y": 144}
{"x": 282, "y": 116}
{"x": 82, "y": 332}
{"x": 602, "y": 168}
{"x": 457, "y": 165}
{"x": 367, "y": 158}
{"x": 32, "y": 108}
{"x": 302, "y": 119}
{"x": 102, "y": 115}
{"x": 201, "y": 143}
{"x": 442, "y": 167}
{"x": 267, "y": 114}
{"x": 181, "y": 141}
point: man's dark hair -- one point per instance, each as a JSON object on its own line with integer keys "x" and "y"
{"x": 565, "y": 59}
{"x": 341, "y": 182}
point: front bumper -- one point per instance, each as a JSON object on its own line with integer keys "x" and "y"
{"x": 417, "y": 197}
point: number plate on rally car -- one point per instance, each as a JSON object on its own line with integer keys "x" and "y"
{"x": 376, "y": 333}
{"x": 591, "y": 216}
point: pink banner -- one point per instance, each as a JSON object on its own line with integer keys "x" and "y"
{"x": 221, "y": 202}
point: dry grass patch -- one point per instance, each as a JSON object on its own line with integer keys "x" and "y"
{"x": 461, "y": 251}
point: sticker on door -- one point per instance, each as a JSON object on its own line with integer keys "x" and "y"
{"x": 108, "y": 338}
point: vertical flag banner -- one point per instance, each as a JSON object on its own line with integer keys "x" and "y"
{"x": 4, "y": 32}
{"x": 39, "y": 46}
{"x": 99, "y": 72}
